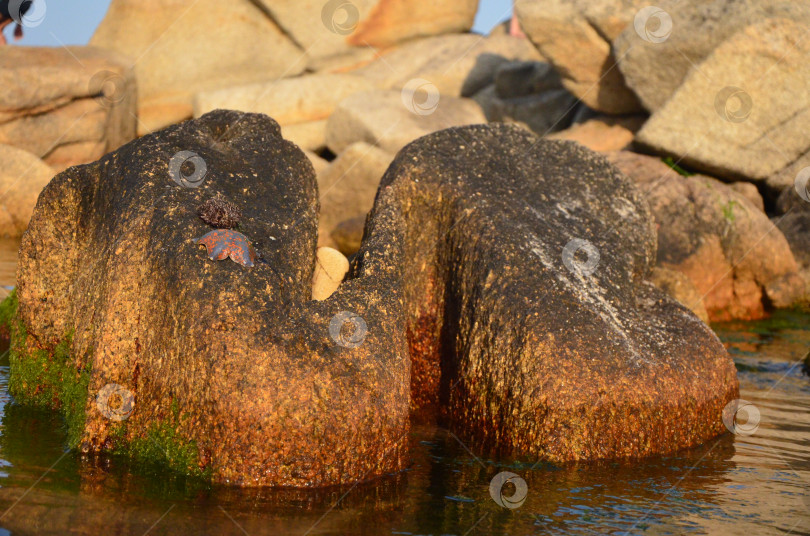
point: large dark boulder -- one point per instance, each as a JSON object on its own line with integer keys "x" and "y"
{"x": 234, "y": 362}
{"x": 530, "y": 320}
{"x": 469, "y": 299}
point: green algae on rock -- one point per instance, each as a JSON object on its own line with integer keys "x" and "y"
{"x": 45, "y": 377}
{"x": 462, "y": 299}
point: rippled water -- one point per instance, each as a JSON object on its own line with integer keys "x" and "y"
{"x": 737, "y": 484}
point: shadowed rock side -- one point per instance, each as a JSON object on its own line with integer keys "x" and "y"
{"x": 527, "y": 357}
{"x": 234, "y": 371}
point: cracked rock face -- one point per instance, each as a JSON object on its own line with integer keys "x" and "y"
{"x": 655, "y": 69}
{"x": 500, "y": 286}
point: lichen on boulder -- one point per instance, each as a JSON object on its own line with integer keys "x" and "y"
{"x": 500, "y": 286}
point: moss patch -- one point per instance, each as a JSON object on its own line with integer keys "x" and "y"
{"x": 668, "y": 160}
{"x": 728, "y": 211}
{"x": 45, "y": 378}
{"x": 50, "y": 379}
{"x": 163, "y": 446}
{"x": 8, "y": 310}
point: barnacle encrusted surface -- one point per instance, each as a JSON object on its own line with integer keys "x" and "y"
{"x": 220, "y": 213}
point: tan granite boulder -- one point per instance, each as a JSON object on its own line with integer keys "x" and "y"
{"x": 392, "y": 118}
{"x": 330, "y": 28}
{"x": 655, "y": 68}
{"x": 742, "y": 113}
{"x": 22, "y": 177}
{"x": 310, "y": 97}
{"x": 347, "y": 187}
{"x": 576, "y": 37}
{"x": 179, "y": 49}
{"x": 459, "y": 65}
{"x": 603, "y": 133}
{"x": 68, "y": 105}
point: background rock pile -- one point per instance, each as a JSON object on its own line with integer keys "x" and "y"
{"x": 716, "y": 89}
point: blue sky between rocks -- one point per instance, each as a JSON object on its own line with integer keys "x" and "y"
{"x": 72, "y": 22}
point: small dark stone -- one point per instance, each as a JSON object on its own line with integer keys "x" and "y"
{"x": 220, "y": 213}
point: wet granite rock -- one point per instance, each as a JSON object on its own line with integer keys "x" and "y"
{"x": 527, "y": 357}
{"x": 468, "y": 294}
{"x": 234, "y": 368}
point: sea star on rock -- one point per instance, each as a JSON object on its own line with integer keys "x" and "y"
{"x": 224, "y": 243}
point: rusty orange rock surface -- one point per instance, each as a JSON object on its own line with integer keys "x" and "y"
{"x": 465, "y": 296}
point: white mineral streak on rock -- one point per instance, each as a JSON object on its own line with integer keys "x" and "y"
{"x": 589, "y": 292}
